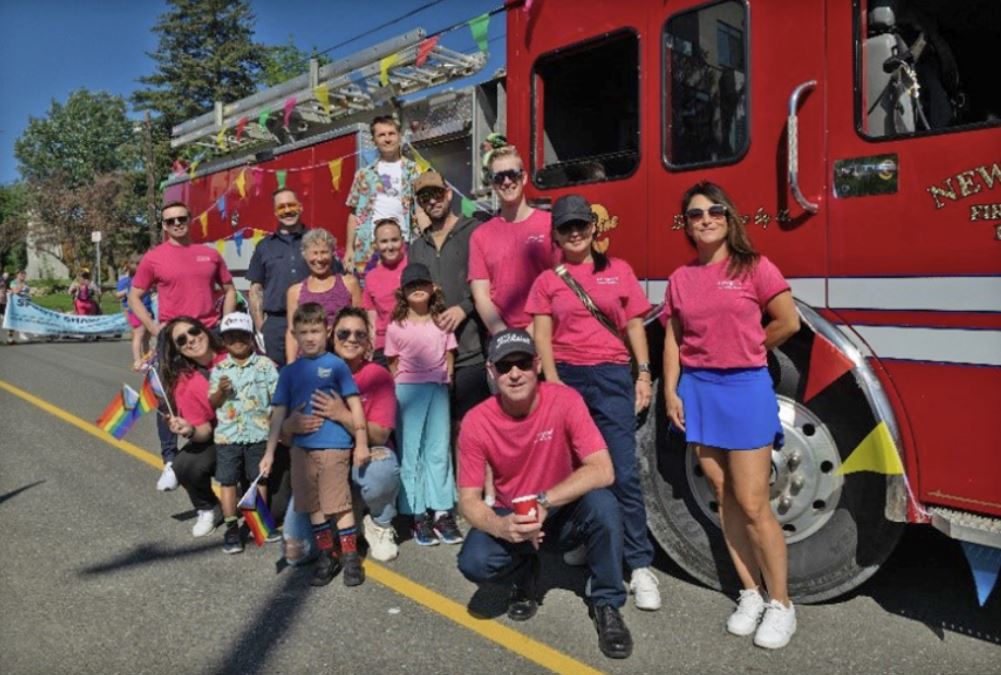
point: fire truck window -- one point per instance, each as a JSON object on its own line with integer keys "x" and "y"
{"x": 705, "y": 85}
{"x": 587, "y": 100}
{"x": 927, "y": 66}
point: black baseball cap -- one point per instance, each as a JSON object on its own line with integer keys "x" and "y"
{"x": 571, "y": 209}
{"x": 508, "y": 342}
{"x": 415, "y": 273}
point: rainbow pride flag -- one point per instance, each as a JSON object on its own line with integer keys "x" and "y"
{"x": 256, "y": 514}
{"x": 121, "y": 413}
{"x": 149, "y": 397}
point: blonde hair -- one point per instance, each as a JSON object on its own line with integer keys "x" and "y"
{"x": 505, "y": 151}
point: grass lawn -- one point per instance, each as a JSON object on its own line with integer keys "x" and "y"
{"x": 62, "y": 302}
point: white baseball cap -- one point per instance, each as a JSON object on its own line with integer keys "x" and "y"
{"x": 237, "y": 321}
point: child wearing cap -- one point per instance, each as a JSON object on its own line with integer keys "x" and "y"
{"x": 421, "y": 357}
{"x": 240, "y": 390}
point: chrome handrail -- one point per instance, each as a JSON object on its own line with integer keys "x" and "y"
{"x": 792, "y": 140}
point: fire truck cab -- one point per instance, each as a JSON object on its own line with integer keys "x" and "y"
{"x": 861, "y": 142}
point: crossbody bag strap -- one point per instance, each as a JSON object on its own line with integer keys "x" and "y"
{"x": 589, "y": 304}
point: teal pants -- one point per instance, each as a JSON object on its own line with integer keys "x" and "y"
{"x": 423, "y": 427}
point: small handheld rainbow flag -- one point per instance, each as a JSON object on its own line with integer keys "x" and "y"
{"x": 121, "y": 413}
{"x": 256, "y": 513}
{"x": 148, "y": 395}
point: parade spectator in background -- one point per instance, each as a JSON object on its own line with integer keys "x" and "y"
{"x": 382, "y": 282}
{"x": 187, "y": 354}
{"x": 185, "y": 276}
{"x": 507, "y": 252}
{"x": 85, "y": 294}
{"x": 542, "y": 445}
{"x": 140, "y": 336}
{"x": 3, "y": 299}
{"x": 384, "y": 189}
{"x": 724, "y": 400}
{"x": 588, "y": 316}
{"x": 323, "y": 286}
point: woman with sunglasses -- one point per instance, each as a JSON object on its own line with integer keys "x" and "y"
{"x": 379, "y": 480}
{"x": 588, "y": 316}
{"x": 186, "y": 358}
{"x": 323, "y": 286}
{"x": 718, "y": 391}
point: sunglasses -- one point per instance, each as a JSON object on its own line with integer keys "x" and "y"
{"x": 513, "y": 175}
{"x": 359, "y": 335}
{"x": 578, "y": 226}
{"x": 714, "y": 211}
{"x": 180, "y": 220}
{"x": 431, "y": 195}
{"x": 288, "y": 210}
{"x": 181, "y": 340}
{"x": 524, "y": 364}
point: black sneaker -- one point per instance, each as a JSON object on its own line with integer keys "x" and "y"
{"x": 524, "y": 603}
{"x": 614, "y": 638}
{"x": 424, "y": 533}
{"x": 232, "y": 542}
{"x": 326, "y": 568}
{"x": 354, "y": 573}
{"x": 447, "y": 530}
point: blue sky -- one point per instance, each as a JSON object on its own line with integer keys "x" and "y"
{"x": 49, "y": 48}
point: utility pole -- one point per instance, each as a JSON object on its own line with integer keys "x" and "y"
{"x": 150, "y": 161}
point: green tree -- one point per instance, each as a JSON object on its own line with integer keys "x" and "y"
{"x": 283, "y": 62}
{"x": 14, "y": 207}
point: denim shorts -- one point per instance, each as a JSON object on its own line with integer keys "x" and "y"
{"x": 236, "y": 459}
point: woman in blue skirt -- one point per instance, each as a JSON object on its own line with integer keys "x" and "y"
{"x": 718, "y": 391}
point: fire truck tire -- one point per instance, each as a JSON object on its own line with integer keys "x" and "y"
{"x": 835, "y": 526}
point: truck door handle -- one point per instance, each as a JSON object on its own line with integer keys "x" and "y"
{"x": 792, "y": 142}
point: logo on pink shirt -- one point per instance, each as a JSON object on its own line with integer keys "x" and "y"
{"x": 729, "y": 285}
{"x": 544, "y": 436}
{"x": 535, "y": 239}
{"x": 607, "y": 281}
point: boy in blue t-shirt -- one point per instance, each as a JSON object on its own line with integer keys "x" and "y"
{"x": 321, "y": 460}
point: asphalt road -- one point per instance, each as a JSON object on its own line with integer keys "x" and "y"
{"x": 99, "y": 573}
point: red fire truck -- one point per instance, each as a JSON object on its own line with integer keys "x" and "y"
{"x": 860, "y": 140}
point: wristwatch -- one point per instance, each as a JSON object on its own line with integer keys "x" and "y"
{"x": 644, "y": 368}
{"x": 543, "y": 500}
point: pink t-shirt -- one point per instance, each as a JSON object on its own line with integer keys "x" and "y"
{"x": 579, "y": 338}
{"x": 721, "y": 317}
{"x": 381, "y": 284}
{"x": 191, "y": 395}
{"x": 531, "y": 454}
{"x": 422, "y": 347}
{"x": 378, "y": 395}
{"x": 184, "y": 277}
{"x": 510, "y": 256}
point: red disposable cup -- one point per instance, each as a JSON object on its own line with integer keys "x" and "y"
{"x": 526, "y": 506}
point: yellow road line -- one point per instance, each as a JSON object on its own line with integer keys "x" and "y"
{"x": 512, "y": 640}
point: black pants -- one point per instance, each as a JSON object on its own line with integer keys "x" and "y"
{"x": 274, "y": 329}
{"x": 194, "y": 466}
{"x": 280, "y": 484}
{"x": 470, "y": 388}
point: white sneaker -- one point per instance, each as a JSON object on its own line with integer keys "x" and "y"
{"x": 576, "y": 557}
{"x": 777, "y": 626}
{"x": 750, "y": 606}
{"x": 206, "y": 522}
{"x": 167, "y": 481}
{"x": 381, "y": 540}
{"x": 643, "y": 585}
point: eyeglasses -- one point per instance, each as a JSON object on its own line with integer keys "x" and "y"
{"x": 283, "y": 210}
{"x": 513, "y": 175}
{"x": 181, "y": 340}
{"x": 714, "y": 211}
{"x": 578, "y": 226}
{"x": 429, "y": 195}
{"x": 524, "y": 364}
{"x": 180, "y": 220}
{"x": 359, "y": 335}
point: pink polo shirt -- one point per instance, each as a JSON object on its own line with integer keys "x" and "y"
{"x": 381, "y": 284}
{"x": 185, "y": 278}
{"x": 378, "y": 395}
{"x": 421, "y": 347}
{"x": 721, "y": 317}
{"x": 578, "y": 338}
{"x": 511, "y": 256}
{"x": 191, "y": 395}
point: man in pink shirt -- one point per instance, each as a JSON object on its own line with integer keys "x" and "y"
{"x": 185, "y": 276}
{"x": 509, "y": 251}
{"x": 540, "y": 442}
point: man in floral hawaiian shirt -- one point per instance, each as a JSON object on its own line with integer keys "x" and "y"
{"x": 383, "y": 189}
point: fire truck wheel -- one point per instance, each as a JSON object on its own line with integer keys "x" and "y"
{"x": 834, "y": 525}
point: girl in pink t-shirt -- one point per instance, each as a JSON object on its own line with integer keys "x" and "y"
{"x": 382, "y": 282}
{"x": 718, "y": 391}
{"x": 581, "y": 351}
{"x": 421, "y": 358}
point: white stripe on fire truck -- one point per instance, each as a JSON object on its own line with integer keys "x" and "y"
{"x": 940, "y": 345}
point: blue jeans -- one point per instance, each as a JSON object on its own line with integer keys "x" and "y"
{"x": 593, "y": 519}
{"x": 423, "y": 430}
{"x": 610, "y": 394}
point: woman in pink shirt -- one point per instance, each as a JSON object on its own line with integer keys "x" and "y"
{"x": 718, "y": 391}
{"x": 421, "y": 359}
{"x": 590, "y": 354}
{"x": 382, "y": 282}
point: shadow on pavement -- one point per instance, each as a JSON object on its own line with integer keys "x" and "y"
{"x": 489, "y": 601}
{"x": 145, "y": 554}
{"x": 14, "y": 493}
{"x": 927, "y": 579}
